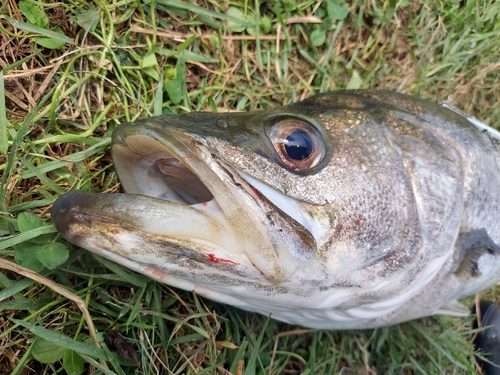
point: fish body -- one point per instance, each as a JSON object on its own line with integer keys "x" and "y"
{"x": 351, "y": 209}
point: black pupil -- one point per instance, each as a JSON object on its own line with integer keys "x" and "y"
{"x": 298, "y": 145}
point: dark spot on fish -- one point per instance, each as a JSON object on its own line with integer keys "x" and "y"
{"x": 269, "y": 216}
{"x": 474, "y": 269}
{"x": 471, "y": 245}
{"x": 222, "y": 123}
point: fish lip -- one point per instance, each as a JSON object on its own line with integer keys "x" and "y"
{"x": 144, "y": 153}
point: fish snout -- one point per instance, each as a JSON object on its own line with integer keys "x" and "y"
{"x": 65, "y": 210}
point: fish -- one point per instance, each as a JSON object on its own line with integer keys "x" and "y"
{"x": 351, "y": 209}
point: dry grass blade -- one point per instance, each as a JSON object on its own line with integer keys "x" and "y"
{"x": 182, "y": 37}
{"x": 287, "y": 333}
{"x": 5, "y": 264}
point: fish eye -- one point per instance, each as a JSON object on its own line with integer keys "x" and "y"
{"x": 299, "y": 144}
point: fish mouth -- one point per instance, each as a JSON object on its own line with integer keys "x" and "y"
{"x": 145, "y": 166}
{"x": 190, "y": 200}
{"x": 182, "y": 172}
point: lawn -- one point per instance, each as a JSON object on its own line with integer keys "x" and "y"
{"x": 72, "y": 71}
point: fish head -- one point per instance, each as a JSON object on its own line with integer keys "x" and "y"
{"x": 191, "y": 206}
{"x": 315, "y": 213}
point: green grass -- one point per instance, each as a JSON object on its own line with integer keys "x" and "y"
{"x": 72, "y": 71}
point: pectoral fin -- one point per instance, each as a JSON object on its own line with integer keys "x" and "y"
{"x": 453, "y": 308}
{"x": 471, "y": 245}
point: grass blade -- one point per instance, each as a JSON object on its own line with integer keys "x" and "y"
{"x": 38, "y": 30}
{"x": 26, "y": 236}
{"x": 63, "y": 340}
{"x": 3, "y": 118}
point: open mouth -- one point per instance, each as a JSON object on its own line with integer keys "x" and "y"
{"x": 165, "y": 169}
{"x": 180, "y": 184}
{"x": 145, "y": 166}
